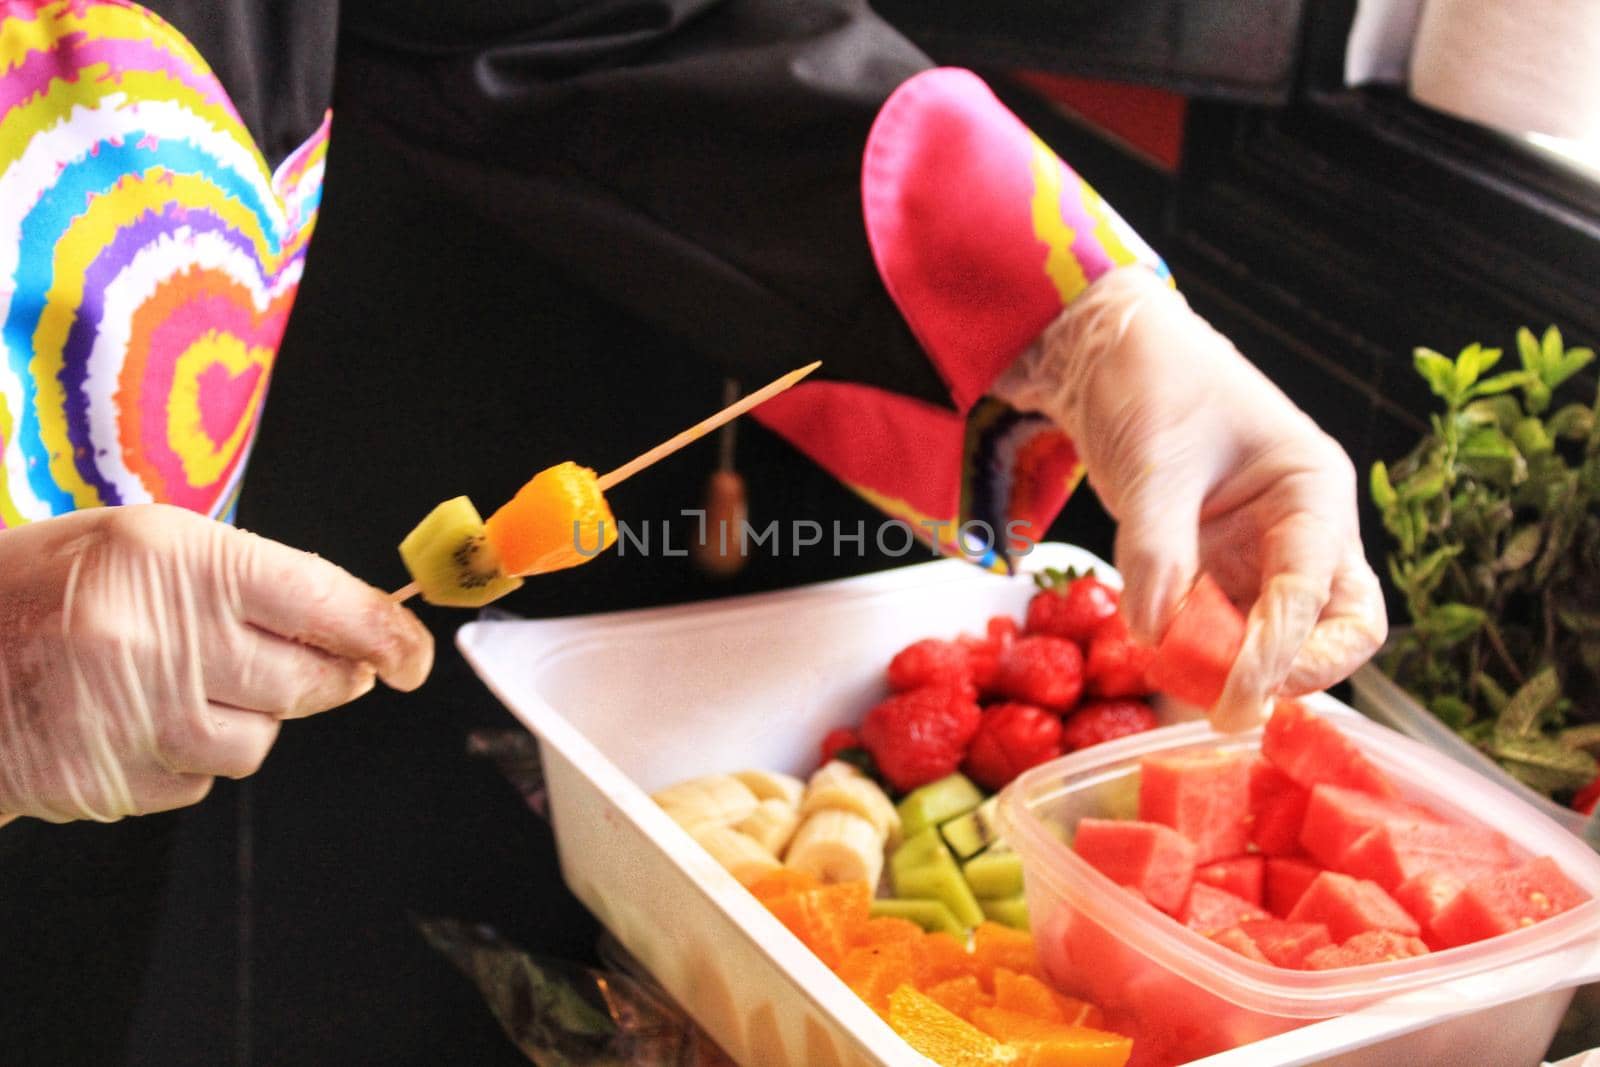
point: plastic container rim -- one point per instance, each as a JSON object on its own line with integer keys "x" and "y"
{"x": 1262, "y": 987}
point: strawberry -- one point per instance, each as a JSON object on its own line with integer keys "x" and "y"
{"x": 1069, "y": 606}
{"x": 920, "y": 736}
{"x": 1587, "y": 797}
{"x": 983, "y": 653}
{"x": 932, "y": 662}
{"x": 1104, "y": 720}
{"x": 1116, "y": 663}
{"x": 1042, "y": 670}
{"x": 1010, "y": 739}
{"x": 837, "y": 741}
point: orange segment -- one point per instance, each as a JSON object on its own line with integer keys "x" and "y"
{"x": 960, "y": 995}
{"x": 943, "y": 1036}
{"x": 783, "y": 882}
{"x": 886, "y": 929}
{"x": 995, "y": 946}
{"x": 1046, "y": 1044}
{"x": 1026, "y": 994}
{"x": 828, "y": 919}
{"x": 943, "y": 957}
{"x": 873, "y": 972}
{"x": 559, "y": 519}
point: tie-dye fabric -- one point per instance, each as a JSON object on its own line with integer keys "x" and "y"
{"x": 148, "y": 261}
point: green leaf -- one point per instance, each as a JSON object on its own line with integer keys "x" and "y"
{"x": 1528, "y": 349}
{"x": 1494, "y": 697}
{"x": 1573, "y": 422}
{"x": 1452, "y": 711}
{"x": 1520, "y": 550}
{"x": 1586, "y": 736}
{"x": 1504, "y": 411}
{"x": 1468, "y": 363}
{"x": 1499, "y": 383}
{"x": 1423, "y": 486}
{"x": 1520, "y": 717}
{"x": 1450, "y": 624}
{"x": 1531, "y": 438}
{"x": 1574, "y": 361}
{"x": 1538, "y": 396}
{"x": 1543, "y": 763}
{"x": 1438, "y": 371}
{"x": 1424, "y": 575}
{"x": 1383, "y": 493}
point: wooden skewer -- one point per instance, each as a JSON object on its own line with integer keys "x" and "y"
{"x": 705, "y": 426}
{"x": 672, "y": 444}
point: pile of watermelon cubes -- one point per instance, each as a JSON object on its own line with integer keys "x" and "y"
{"x": 1305, "y": 856}
{"x": 1070, "y": 676}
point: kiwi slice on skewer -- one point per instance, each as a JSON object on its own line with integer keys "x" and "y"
{"x": 451, "y": 559}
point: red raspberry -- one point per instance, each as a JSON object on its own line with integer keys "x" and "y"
{"x": 1103, "y": 720}
{"x": 920, "y": 736}
{"x": 1074, "y": 610}
{"x": 1117, "y": 662}
{"x": 837, "y": 741}
{"x": 932, "y": 662}
{"x": 1042, "y": 670}
{"x": 1010, "y": 739}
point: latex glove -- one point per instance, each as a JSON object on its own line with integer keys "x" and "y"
{"x": 1207, "y": 466}
{"x": 145, "y": 649}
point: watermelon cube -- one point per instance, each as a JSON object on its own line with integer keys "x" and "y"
{"x": 1348, "y": 906}
{"x": 1210, "y": 909}
{"x": 1425, "y": 896}
{"x": 1241, "y": 876}
{"x": 1393, "y": 852}
{"x": 1152, "y": 858}
{"x": 1196, "y": 653}
{"x": 1373, "y": 946}
{"x": 1311, "y": 750}
{"x": 1240, "y": 942}
{"x": 1286, "y": 879}
{"x": 1205, "y": 797}
{"x": 1277, "y": 808}
{"x": 1336, "y": 818}
{"x": 1286, "y": 944}
{"x": 1502, "y": 901}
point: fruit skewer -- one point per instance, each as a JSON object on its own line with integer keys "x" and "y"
{"x": 457, "y": 559}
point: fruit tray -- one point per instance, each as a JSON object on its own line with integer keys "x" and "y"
{"x": 628, "y": 703}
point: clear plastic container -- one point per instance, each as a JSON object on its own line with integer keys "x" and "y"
{"x": 1184, "y": 997}
{"x": 1379, "y": 698}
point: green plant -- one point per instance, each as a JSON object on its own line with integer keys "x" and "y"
{"x": 1495, "y": 518}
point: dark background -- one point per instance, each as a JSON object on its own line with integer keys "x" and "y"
{"x": 1326, "y": 231}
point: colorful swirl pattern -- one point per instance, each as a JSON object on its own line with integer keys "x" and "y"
{"x": 148, "y": 261}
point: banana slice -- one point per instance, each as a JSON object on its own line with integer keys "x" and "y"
{"x": 840, "y": 786}
{"x": 714, "y": 800}
{"x": 770, "y": 785}
{"x": 740, "y": 854}
{"x": 837, "y": 846}
{"x": 772, "y": 824}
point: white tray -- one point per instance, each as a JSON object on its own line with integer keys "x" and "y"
{"x": 626, "y": 703}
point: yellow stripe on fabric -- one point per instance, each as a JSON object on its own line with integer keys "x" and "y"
{"x": 1105, "y": 232}
{"x": 202, "y": 458}
{"x": 1062, "y": 267}
{"x": 10, "y": 516}
{"x": 75, "y": 250}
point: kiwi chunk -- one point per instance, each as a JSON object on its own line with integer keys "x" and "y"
{"x": 1009, "y": 911}
{"x": 937, "y": 802}
{"x": 994, "y": 875}
{"x": 451, "y": 560}
{"x": 931, "y": 915}
{"x": 969, "y": 834}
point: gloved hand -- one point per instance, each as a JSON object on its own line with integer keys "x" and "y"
{"x": 1206, "y": 466}
{"x": 145, "y": 649}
